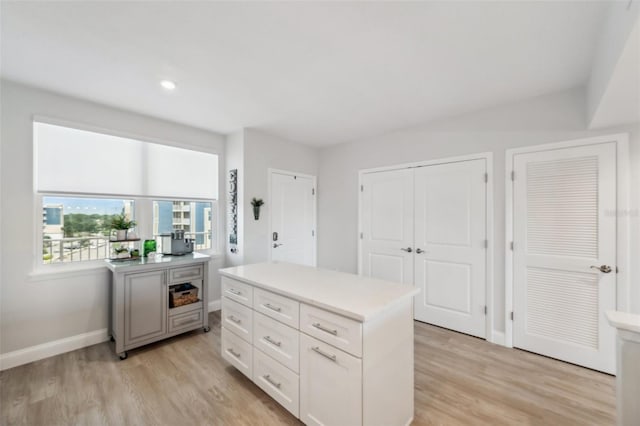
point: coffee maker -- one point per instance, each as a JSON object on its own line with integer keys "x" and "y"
{"x": 175, "y": 243}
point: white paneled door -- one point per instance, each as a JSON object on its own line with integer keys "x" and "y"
{"x": 564, "y": 271}
{"x": 292, "y": 209}
{"x": 450, "y": 245}
{"x": 387, "y": 225}
{"x": 426, "y": 226}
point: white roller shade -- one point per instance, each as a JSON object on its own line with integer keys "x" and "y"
{"x": 79, "y": 161}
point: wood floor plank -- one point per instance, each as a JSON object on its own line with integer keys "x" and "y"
{"x": 459, "y": 380}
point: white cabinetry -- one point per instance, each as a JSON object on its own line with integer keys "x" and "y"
{"x": 330, "y": 384}
{"x": 328, "y": 360}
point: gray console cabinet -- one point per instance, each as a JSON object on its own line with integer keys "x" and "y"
{"x": 145, "y": 306}
{"x": 140, "y": 312}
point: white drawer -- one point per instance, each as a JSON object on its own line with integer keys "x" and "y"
{"x": 184, "y": 321}
{"x": 238, "y": 352}
{"x": 277, "y": 340}
{"x": 277, "y": 381}
{"x": 238, "y": 291}
{"x": 186, "y": 274}
{"x": 281, "y": 308}
{"x": 237, "y": 318}
{"x": 341, "y": 332}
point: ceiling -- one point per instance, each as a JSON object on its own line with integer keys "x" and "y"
{"x": 314, "y": 72}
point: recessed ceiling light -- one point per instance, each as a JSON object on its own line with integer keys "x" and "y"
{"x": 168, "y": 84}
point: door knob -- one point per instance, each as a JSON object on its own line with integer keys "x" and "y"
{"x": 419, "y": 250}
{"x": 605, "y": 269}
{"x": 408, "y": 249}
{"x": 276, "y": 245}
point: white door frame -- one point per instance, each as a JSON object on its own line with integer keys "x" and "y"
{"x": 622, "y": 204}
{"x": 492, "y": 335}
{"x": 314, "y": 181}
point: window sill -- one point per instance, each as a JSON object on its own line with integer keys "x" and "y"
{"x": 57, "y": 272}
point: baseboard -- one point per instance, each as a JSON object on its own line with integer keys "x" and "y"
{"x": 497, "y": 337}
{"x": 49, "y": 349}
{"x": 214, "y": 305}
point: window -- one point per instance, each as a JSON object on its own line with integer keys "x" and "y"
{"x": 77, "y": 228}
{"x": 194, "y": 217}
{"x": 83, "y": 178}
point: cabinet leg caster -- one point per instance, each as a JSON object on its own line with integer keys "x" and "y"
{"x": 112, "y": 339}
{"x": 206, "y": 329}
{"x": 123, "y": 355}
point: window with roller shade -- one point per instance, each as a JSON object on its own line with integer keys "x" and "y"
{"x": 74, "y": 167}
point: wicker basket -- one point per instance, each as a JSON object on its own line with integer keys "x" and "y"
{"x": 182, "y": 294}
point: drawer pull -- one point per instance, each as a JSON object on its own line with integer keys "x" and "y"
{"x": 234, "y": 353}
{"x": 273, "y": 308}
{"x": 268, "y": 378}
{"x": 234, "y": 291}
{"x": 324, "y": 354}
{"x": 326, "y": 330}
{"x": 273, "y": 342}
{"x": 234, "y": 319}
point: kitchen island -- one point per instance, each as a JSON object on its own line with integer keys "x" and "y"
{"x": 153, "y": 299}
{"x": 332, "y": 348}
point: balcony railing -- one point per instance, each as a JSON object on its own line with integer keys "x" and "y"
{"x": 79, "y": 249}
{"x": 66, "y": 250}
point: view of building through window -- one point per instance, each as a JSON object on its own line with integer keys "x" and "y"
{"x": 194, "y": 217}
{"x": 77, "y": 229}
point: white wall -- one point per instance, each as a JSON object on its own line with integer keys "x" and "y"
{"x": 253, "y": 153}
{"x": 622, "y": 18}
{"x": 35, "y": 310}
{"x": 546, "y": 119}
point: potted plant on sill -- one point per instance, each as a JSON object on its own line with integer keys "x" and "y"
{"x": 122, "y": 225}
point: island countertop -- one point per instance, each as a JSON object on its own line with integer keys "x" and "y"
{"x": 144, "y": 263}
{"x": 350, "y": 295}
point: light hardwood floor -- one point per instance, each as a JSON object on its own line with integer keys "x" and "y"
{"x": 184, "y": 381}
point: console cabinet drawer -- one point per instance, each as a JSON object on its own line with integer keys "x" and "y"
{"x": 238, "y": 352}
{"x": 238, "y": 291}
{"x": 277, "y": 381}
{"x": 190, "y": 319}
{"x": 339, "y": 331}
{"x": 277, "y": 340}
{"x": 237, "y": 318}
{"x": 278, "y": 307}
{"x": 186, "y": 274}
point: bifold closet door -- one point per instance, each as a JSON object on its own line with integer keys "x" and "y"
{"x": 450, "y": 237}
{"x": 387, "y": 225}
{"x": 564, "y": 273}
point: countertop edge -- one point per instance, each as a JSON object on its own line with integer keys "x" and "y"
{"x": 624, "y": 320}
{"x": 325, "y": 306}
{"x": 125, "y": 266}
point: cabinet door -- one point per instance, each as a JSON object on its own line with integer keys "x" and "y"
{"x": 145, "y": 306}
{"x": 330, "y": 384}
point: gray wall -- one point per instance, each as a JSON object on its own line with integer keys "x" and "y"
{"x": 39, "y": 309}
{"x": 553, "y": 118}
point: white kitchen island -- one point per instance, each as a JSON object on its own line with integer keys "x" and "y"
{"x": 332, "y": 348}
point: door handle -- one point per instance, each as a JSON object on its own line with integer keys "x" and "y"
{"x": 408, "y": 249}
{"x": 605, "y": 269}
{"x": 276, "y": 245}
{"x": 419, "y": 250}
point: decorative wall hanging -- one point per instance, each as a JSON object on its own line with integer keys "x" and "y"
{"x": 233, "y": 210}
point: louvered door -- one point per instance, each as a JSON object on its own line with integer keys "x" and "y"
{"x": 564, "y": 227}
